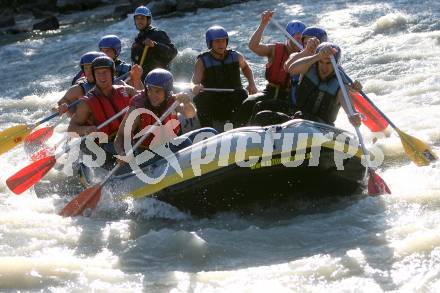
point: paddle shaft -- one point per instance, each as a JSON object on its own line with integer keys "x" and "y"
{"x": 144, "y": 54}
{"x": 298, "y": 44}
{"x": 217, "y": 90}
{"x": 349, "y": 108}
{"x": 54, "y": 114}
{"x": 205, "y": 89}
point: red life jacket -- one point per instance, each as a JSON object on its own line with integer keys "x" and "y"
{"x": 148, "y": 119}
{"x": 103, "y": 108}
{"x": 275, "y": 73}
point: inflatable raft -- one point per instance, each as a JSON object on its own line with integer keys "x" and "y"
{"x": 245, "y": 166}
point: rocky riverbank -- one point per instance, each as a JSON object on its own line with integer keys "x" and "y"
{"x": 22, "y": 18}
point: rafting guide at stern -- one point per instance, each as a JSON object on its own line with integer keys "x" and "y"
{"x": 152, "y": 48}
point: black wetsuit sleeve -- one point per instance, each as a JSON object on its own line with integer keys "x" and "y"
{"x": 164, "y": 49}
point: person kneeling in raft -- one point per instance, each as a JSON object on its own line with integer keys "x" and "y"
{"x": 152, "y": 104}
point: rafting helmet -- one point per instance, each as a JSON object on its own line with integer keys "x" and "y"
{"x": 337, "y": 55}
{"x": 112, "y": 42}
{"x": 316, "y": 32}
{"x": 88, "y": 58}
{"x": 142, "y": 10}
{"x": 294, "y": 27}
{"x": 160, "y": 78}
{"x": 103, "y": 62}
{"x": 216, "y": 32}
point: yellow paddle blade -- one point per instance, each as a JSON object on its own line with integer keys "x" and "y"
{"x": 416, "y": 150}
{"x": 13, "y": 136}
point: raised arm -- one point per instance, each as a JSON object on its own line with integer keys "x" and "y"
{"x": 255, "y": 45}
{"x": 309, "y": 50}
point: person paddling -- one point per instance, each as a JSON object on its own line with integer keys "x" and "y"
{"x": 310, "y": 39}
{"x": 161, "y": 51}
{"x": 279, "y": 84}
{"x": 102, "y": 102}
{"x": 220, "y": 68}
{"x": 82, "y": 85}
{"x": 154, "y": 101}
{"x": 111, "y": 45}
{"x": 319, "y": 96}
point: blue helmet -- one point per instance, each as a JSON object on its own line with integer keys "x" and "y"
{"x": 316, "y": 32}
{"x": 143, "y": 10}
{"x": 103, "y": 62}
{"x": 160, "y": 78}
{"x": 338, "y": 50}
{"x": 111, "y": 41}
{"x": 294, "y": 27}
{"x": 214, "y": 33}
{"x": 88, "y": 58}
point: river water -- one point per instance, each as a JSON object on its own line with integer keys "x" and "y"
{"x": 356, "y": 244}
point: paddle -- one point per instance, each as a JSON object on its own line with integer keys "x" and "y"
{"x": 371, "y": 118}
{"x": 13, "y": 136}
{"x": 185, "y": 85}
{"x": 28, "y": 176}
{"x": 376, "y": 185}
{"x": 416, "y": 150}
{"x": 90, "y": 197}
{"x": 34, "y": 141}
{"x": 144, "y": 54}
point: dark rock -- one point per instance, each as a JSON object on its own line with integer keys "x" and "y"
{"x": 162, "y": 7}
{"x": 209, "y": 4}
{"x": 217, "y": 4}
{"x": 137, "y": 3}
{"x": 75, "y": 5}
{"x": 39, "y": 14}
{"x": 42, "y": 5}
{"x": 16, "y": 30}
{"x": 186, "y": 5}
{"x": 7, "y": 18}
{"x": 50, "y": 23}
{"x": 9, "y": 21}
{"x": 121, "y": 11}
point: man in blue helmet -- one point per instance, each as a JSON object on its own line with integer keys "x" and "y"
{"x": 156, "y": 98}
{"x": 310, "y": 40}
{"x": 278, "y": 86}
{"x": 102, "y": 102}
{"x": 82, "y": 85}
{"x": 111, "y": 46}
{"x": 220, "y": 68}
{"x": 319, "y": 96}
{"x": 85, "y": 65}
{"x": 160, "y": 49}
